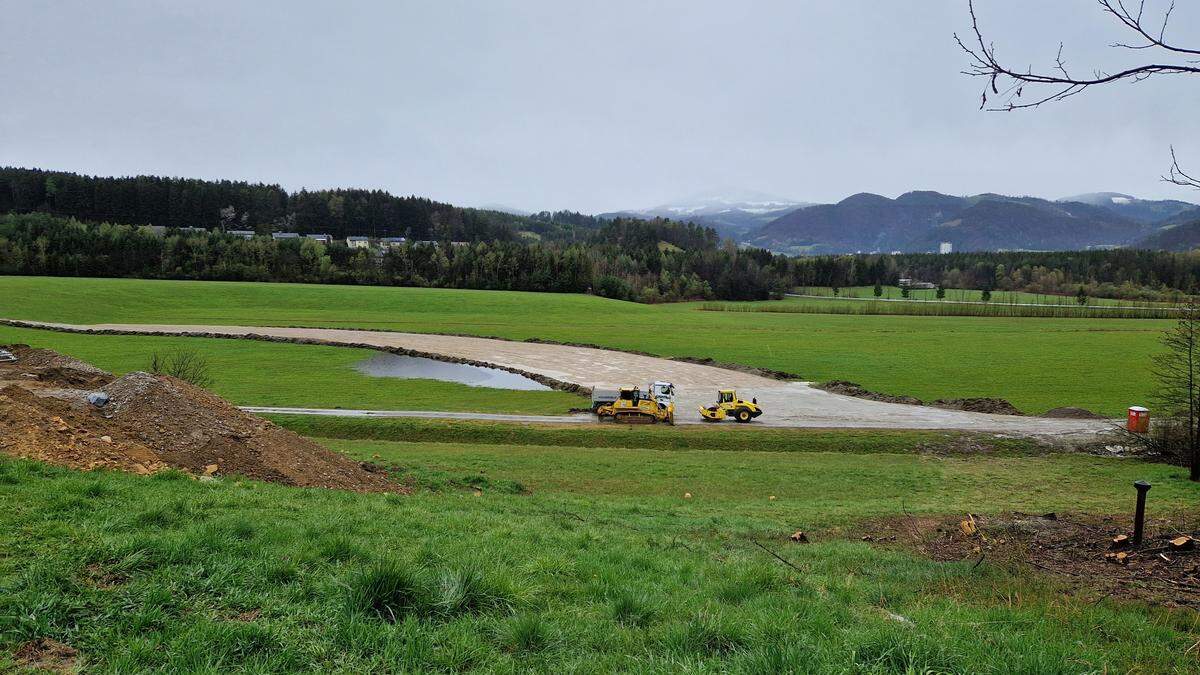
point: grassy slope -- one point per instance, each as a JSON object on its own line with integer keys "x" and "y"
{"x": 1035, "y": 363}
{"x": 268, "y": 373}
{"x": 603, "y": 566}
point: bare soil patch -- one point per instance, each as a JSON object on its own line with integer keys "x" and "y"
{"x": 37, "y": 368}
{"x": 1076, "y": 548}
{"x": 992, "y": 406}
{"x": 48, "y": 655}
{"x": 856, "y": 390}
{"x": 152, "y": 422}
{"x": 1071, "y": 413}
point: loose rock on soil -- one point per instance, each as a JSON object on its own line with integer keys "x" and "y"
{"x": 153, "y": 422}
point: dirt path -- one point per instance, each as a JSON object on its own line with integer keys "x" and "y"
{"x": 786, "y": 404}
{"x": 576, "y": 418}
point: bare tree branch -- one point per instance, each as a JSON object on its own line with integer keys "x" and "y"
{"x": 1178, "y": 176}
{"x": 1134, "y": 22}
{"x": 1059, "y": 79}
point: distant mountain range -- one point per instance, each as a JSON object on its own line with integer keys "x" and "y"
{"x": 734, "y": 214}
{"x": 922, "y": 220}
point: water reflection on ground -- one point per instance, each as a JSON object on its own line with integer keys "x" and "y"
{"x": 396, "y": 365}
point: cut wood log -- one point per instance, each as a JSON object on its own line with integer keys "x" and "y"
{"x": 1184, "y": 543}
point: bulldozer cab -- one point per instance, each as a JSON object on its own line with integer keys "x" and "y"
{"x": 630, "y": 394}
{"x": 726, "y": 396}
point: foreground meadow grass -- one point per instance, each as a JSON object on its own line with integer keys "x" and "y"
{"x": 1037, "y": 364}
{"x": 562, "y": 559}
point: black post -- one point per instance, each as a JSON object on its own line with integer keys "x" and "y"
{"x": 1139, "y": 516}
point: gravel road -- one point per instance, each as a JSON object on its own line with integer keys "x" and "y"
{"x": 785, "y": 404}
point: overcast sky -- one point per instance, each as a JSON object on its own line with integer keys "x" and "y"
{"x": 589, "y": 106}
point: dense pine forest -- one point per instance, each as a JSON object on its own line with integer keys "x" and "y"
{"x": 66, "y": 224}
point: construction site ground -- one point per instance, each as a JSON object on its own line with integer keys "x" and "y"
{"x": 786, "y": 403}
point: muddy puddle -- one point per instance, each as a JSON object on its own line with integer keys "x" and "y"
{"x": 411, "y": 367}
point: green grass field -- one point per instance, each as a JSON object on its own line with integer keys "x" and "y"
{"x": 1037, "y": 364}
{"x": 248, "y": 372}
{"x": 567, "y": 559}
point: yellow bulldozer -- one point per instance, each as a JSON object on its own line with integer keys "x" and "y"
{"x": 729, "y": 405}
{"x": 632, "y": 406}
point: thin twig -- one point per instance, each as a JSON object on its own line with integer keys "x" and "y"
{"x": 776, "y": 556}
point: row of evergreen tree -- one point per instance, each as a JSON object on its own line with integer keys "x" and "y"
{"x": 235, "y": 205}
{"x": 646, "y": 261}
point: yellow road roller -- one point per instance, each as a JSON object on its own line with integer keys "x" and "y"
{"x": 729, "y": 405}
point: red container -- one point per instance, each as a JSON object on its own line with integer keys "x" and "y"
{"x": 1139, "y": 420}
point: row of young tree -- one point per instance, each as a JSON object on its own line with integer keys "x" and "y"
{"x": 1127, "y": 274}
{"x": 637, "y": 260}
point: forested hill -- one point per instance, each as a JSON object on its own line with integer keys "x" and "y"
{"x": 237, "y": 205}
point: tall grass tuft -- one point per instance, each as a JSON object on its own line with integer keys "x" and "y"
{"x": 468, "y": 589}
{"x": 525, "y": 633}
{"x": 633, "y": 609}
{"x": 388, "y": 591}
{"x": 709, "y": 634}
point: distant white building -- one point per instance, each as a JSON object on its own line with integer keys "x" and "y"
{"x": 323, "y": 238}
{"x": 392, "y": 242}
{"x": 244, "y": 234}
{"x": 284, "y": 235}
{"x": 945, "y": 247}
{"x": 358, "y": 242}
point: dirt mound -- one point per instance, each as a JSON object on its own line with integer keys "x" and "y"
{"x": 52, "y": 431}
{"x": 1070, "y": 413}
{"x": 1074, "y": 547}
{"x": 46, "y": 368}
{"x": 858, "y": 391}
{"x": 194, "y": 430}
{"x": 153, "y": 422}
{"x": 992, "y": 406}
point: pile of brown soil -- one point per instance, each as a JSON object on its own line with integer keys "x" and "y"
{"x": 1073, "y": 414}
{"x": 1074, "y": 547}
{"x": 152, "y": 422}
{"x": 992, "y": 406}
{"x": 46, "y": 368}
{"x": 50, "y": 430}
{"x": 194, "y": 430}
{"x": 856, "y": 390}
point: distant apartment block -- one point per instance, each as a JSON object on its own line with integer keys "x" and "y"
{"x": 945, "y": 247}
